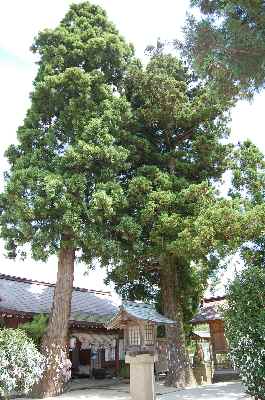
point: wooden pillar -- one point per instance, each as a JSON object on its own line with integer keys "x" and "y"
{"x": 212, "y": 334}
{"x": 117, "y": 356}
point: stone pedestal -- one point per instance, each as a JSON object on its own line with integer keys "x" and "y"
{"x": 203, "y": 374}
{"x": 141, "y": 376}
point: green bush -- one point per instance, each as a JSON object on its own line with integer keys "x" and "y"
{"x": 36, "y": 328}
{"x": 245, "y": 328}
{"x": 21, "y": 365}
{"x": 124, "y": 370}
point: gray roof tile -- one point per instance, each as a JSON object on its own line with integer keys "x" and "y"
{"x": 25, "y": 296}
{"x": 145, "y": 312}
{"x": 210, "y": 311}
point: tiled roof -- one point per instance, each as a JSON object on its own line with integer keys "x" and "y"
{"x": 210, "y": 311}
{"x": 145, "y": 312}
{"x": 21, "y": 295}
{"x": 139, "y": 311}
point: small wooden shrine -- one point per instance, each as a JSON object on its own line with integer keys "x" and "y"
{"x": 139, "y": 322}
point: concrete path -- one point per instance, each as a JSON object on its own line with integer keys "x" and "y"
{"x": 218, "y": 391}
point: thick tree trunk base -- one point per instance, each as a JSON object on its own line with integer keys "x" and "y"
{"x": 56, "y": 340}
{"x": 56, "y": 374}
{"x": 180, "y": 379}
{"x": 179, "y": 371}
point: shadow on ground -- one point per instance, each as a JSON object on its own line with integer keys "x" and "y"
{"x": 218, "y": 391}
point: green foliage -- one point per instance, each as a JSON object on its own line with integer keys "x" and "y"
{"x": 244, "y": 324}
{"x": 64, "y": 175}
{"x": 227, "y": 43}
{"x": 85, "y": 39}
{"x": 172, "y": 214}
{"x": 202, "y": 328}
{"x": 248, "y": 181}
{"x": 21, "y": 365}
{"x": 191, "y": 347}
{"x": 63, "y": 171}
{"x": 36, "y": 328}
{"x": 124, "y": 371}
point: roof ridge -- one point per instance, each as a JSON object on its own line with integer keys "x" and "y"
{"x": 139, "y": 303}
{"x": 214, "y": 298}
{"x": 36, "y": 282}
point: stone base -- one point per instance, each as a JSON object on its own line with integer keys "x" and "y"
{"x": 202, "y": 375}
{"x": 141, "y": 376}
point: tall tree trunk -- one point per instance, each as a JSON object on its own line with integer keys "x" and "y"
{"x": 178, "y": 361}
{"x": 55, "y": 342}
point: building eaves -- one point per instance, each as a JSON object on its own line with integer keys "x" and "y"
{"x": 20, "y": 296}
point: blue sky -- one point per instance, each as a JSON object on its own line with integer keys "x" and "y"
{"x": 140, "y": 22}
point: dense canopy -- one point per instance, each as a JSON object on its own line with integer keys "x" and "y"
{"x": 67, "y": 144}
{"x": 66, "y": 164}
{"x": 227, "y": 43}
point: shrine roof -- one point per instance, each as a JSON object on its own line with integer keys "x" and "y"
{"x": 139, "y": 311}
{"x": 210, "y": 310}
{"x": 145, "y": 312}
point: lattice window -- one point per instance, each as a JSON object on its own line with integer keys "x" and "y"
{"x": 113, "y": 353}
{"x": 110, "y": 353}
{"x": 134, "y": 336}
{"x": 149, "y": 334}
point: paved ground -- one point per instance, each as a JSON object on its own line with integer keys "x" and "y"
{"x": 218, "y": 391}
